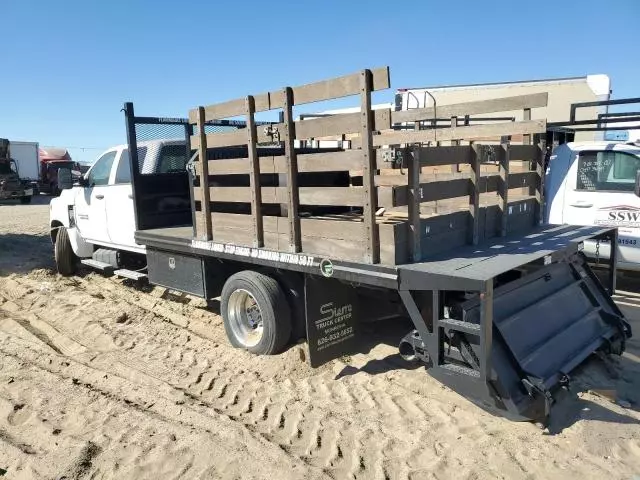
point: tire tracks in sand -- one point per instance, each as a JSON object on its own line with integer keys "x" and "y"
{"x": 359, "y": 426}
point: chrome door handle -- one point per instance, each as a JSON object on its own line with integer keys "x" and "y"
{"x": 581, "y": 205}
{"x": 99, "y": 197}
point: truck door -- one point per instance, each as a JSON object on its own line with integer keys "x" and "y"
{"x": 91, "y": 214}
{"x": 600, "y": 191}
{"x": 120, "y": 210}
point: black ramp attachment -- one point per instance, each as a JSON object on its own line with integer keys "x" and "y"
{"x": 545, "y": 325}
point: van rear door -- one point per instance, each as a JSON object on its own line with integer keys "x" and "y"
{"x": 600, "y": 191}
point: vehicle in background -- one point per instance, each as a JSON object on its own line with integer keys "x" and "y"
{"x": 27, "y": 158}
{"x": 11, "y": 186}
{"x": 52, "y": 159}
{"x": 596, "y": 183}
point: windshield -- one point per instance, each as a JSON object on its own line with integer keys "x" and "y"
{"x": 57, "y": 165}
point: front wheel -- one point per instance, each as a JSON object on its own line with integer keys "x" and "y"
{"x": 256, "y": 313}
{"x": 65, "y": 258}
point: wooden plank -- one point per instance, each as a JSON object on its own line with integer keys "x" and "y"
{"x": 319, "y": 236}
{"x": 313, "y": 92}
{"x": 330, "y": 196}
{"x": 340, "y": 87}
{"x": 309, "y": 227}
{"x": 239, "y": 166}
{"x": 395, "y": 137}
{"x": 254, "y": 177}
{"x": 204, "y": 177}
{"x": 523, "y": 152}
{"x": 372, "y": 243}
{"x": 413, "y": 200}
{"x": 444, "y": 241}
{"x": 351, "y": 196}
{"x": 317, "y": 128}
{"x": 219, "y": 111}
{"x": 292, "y": 173}
{"x": 474, "y": 196}
{"x": 308, "y": 162}
{"x": 445, "y": 155}
{"x": 221, "y": 139}
{"x": 523, "y": 179}
{"x": 330, "y": 127}
{"x": 327, "y": 162}
{"x": 505, "y": 178}
{"x": 505, "y": 104}
{"x": 340, "y": 124}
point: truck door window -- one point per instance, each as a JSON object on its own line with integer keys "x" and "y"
{"x": 99, "y": 173}
{"x": 607, "y": 171}
{"x": 123, "y": 172}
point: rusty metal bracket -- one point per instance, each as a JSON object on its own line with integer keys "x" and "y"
{"x": 271, "y": 131}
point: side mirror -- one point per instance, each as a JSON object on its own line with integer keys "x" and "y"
{"x": 636, "y": 188}
{"x": 65, "y": 180}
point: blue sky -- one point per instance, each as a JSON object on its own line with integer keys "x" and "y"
{"x": 70, "y": 65}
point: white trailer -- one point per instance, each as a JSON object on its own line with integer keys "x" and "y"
{"x": 27, "y": 158}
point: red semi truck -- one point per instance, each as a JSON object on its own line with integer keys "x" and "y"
{"x": 52, "y": 159}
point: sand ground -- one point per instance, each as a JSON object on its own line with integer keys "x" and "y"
{"x": 99, "y": 380}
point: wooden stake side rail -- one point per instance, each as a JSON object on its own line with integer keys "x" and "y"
{"x": 314, "y": 92}
{"x": 344, "y": 215}
{"x": 324, "y": 127}
{"x": 352, "y": 160}
{"x": 504, "y": 104}
{"x": 474, "y": 132}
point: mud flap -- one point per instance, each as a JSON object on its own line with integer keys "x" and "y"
{"x": 331, "y": 311}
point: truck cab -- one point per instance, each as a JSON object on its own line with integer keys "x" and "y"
{"x": 594, "y": 183}
{"x": 98, "y": 211}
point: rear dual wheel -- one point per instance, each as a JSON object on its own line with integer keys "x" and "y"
{"x": 256, "y": 313}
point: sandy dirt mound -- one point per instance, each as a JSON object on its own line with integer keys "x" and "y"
{"x": 102, "y": 380}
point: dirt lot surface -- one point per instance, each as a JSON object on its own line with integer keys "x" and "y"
{"x": 101, "y": 380}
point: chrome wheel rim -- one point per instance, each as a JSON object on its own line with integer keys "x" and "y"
{"x": 245, "y": 318}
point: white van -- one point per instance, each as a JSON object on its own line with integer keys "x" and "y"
{"x": 594, "y": 183}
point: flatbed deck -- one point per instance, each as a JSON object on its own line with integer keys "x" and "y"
{"x": 468, "y": 268}
{"x": 464, "y": 268}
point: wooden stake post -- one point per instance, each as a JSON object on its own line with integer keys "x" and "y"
{"x": 292, "y": 172}
{"x": 254, "y": 176}
{"x": 372, "y": 242}
{"x": 205, "y": 206}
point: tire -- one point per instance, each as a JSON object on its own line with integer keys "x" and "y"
{"x": 265, "y": 330}
{"x": 65, "y": 258}
{"x": 25, "y": 200}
